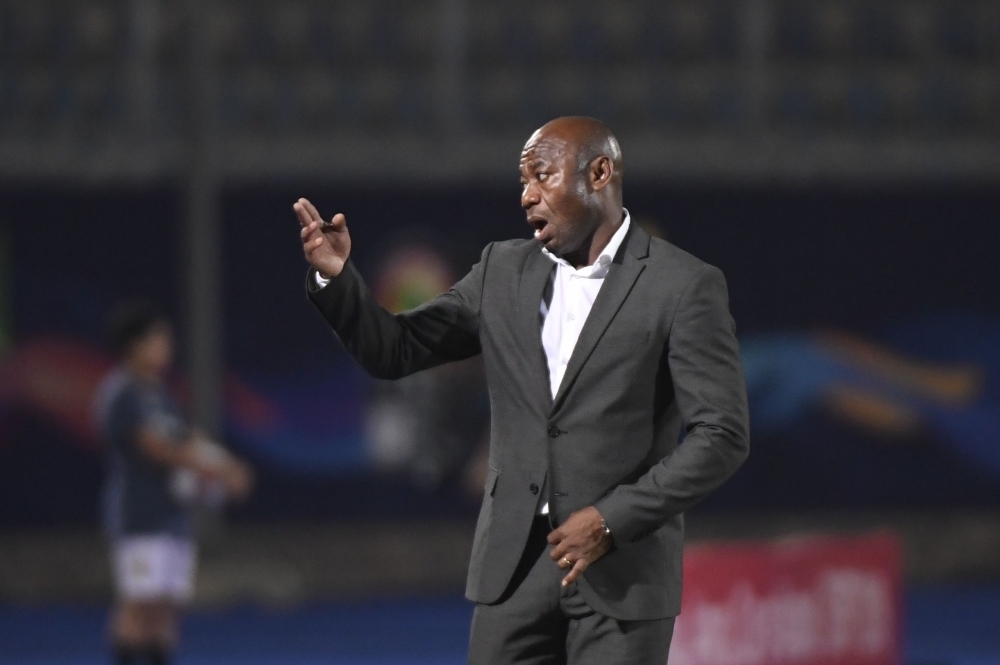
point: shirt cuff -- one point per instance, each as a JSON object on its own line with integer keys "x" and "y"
{"x": 320, "y": 281}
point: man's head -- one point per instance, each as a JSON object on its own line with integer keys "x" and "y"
{"x": 571, "y": 178}
{"x": 142, "y": 338}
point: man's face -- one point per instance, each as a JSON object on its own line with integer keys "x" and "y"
{"x": 555, "y": 194}
{"x": 155, "y": 350}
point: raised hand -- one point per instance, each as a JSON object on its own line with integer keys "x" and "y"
{"x": 325, "y": 244}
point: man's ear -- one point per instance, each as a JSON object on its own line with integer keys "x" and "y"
{"x": 601, "y": 171}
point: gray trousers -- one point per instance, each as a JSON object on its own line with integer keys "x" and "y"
{"x": 538, "y": 622}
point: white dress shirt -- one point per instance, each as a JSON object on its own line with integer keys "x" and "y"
{"x": 573, "y": 294}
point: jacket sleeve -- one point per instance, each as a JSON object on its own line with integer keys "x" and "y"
{"x": 390, "y": 346}
{"x": 710, "y": 390}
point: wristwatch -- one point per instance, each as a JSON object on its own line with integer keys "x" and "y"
{"x": 607, "y": 529}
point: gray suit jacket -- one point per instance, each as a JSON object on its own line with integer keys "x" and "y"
{"x": 657, "y": 352}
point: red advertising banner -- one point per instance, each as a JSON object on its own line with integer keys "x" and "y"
{"x": 814, "y": 601}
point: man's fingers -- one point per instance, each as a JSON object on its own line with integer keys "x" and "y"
{"x": 308, "y": 215}
{"x": 312, "y": 236}
{"x": 559, "y": 551}
{"x": 338, "y": 222}
{"x": 305, "y": 218}
{"x": 310, "y": 246}
{"x": 555, "y": 536}
{"x": 307, "y": 231}
{"x": 578, "y": 568}
{"x": 312, "y": 210}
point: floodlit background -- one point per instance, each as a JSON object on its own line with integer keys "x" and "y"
{"x": 838, "y": 159}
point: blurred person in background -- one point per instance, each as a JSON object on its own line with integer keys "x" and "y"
{"x": 159, "y": 468}
{"x": 428, "y": 423}
{"x": 599, "y": 343}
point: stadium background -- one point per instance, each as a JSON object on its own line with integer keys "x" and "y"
{"x": 838, "y": 159}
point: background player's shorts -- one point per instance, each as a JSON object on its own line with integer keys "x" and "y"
{"x": 154, "y": 567}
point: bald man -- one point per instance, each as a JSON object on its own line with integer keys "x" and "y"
{"x": 599, "y": 343}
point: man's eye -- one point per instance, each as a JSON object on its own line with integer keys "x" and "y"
{"x": 542, "y": 177}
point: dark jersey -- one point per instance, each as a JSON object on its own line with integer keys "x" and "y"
{"x": 137, "y": 496}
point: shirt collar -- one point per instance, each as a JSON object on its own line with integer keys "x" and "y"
{"x": 604, "y": 259}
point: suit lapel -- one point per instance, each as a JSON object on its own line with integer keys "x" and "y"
{"x": 534, "y": 277}
{"x": 621, "y": 277}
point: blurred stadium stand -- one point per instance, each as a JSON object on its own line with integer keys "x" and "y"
{"x": 746, "y": 89}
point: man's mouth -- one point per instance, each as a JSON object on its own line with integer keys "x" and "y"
{"x": 541, "y": 228}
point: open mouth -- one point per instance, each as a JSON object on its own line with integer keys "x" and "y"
{"x": 541, "y": 227}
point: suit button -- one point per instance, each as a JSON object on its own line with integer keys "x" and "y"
{"x": 534, "y": 488}
{"x": 554, "y": 431}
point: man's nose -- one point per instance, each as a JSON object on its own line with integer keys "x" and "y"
{"x": 529, "y": 197}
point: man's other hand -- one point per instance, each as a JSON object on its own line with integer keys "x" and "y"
{"x": 579, "y": 542}
{"x": 325, "y": 244}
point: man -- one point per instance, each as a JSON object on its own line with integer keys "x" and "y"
{"x": 148, "y": 444}
{"x": 599, "y": 342}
